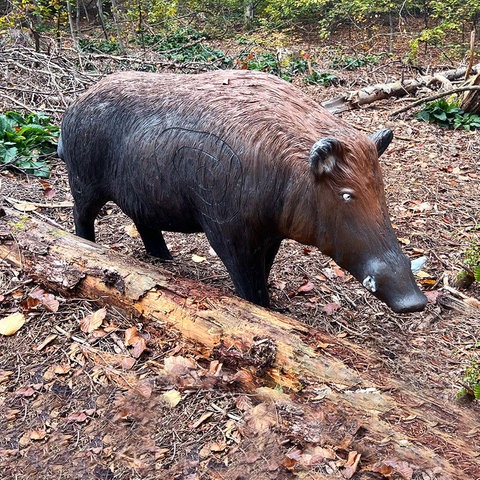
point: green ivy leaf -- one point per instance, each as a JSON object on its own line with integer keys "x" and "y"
{"x": 476, "y": 273}
{"x": 476, "y": 390}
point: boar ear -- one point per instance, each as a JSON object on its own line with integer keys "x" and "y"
{"x": 382, "y": 139}
{"x": 324, "y": 156}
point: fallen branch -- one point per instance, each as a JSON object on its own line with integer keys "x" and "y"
{"x": 17, "y": 204}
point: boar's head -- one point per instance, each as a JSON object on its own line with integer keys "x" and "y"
{"x": 355, "y": 228}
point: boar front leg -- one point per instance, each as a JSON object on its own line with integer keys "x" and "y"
{"x": 248, "y": 262}
{"x": 154, "y": 242}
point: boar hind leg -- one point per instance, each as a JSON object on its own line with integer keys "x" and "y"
{"x": 154, "y": 242}
{"x": 84, "y": 214}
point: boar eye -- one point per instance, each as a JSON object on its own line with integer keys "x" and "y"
{"x": 347, "y": 196}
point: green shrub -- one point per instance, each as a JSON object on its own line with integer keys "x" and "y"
{"x": 448, "y": 115}
{"x": 185, "y": 45}
{"x": 324, "y": 78}
{"x": 25, "y": 142}
{"x": 286, "y": 68}
{"x": 354, "y": 63}
{"x": 471, "y": 381}
{"x": 98, "y": 46}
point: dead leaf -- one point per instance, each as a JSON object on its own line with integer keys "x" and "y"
{"x": 78, "y": 417}
{"x": 160, "y": 453}
{"x": 244, "y": 403}
{"x": 215, "y": 368}
{"x": 49, "y": 193}
{"x": 5, "y": 375}
{"x": 473, "y": 302}
{"x": 54, "y": 370}
{"x": 62, "y": 369}
{"x": 218, "y": 446}
{"x": 202, "y": 419}
{"x": 393, "y": 466}
{"x": 139, "y": 348}
{"x": 421, "y": 207}
{"x": 46, "y": 299}
{"x": 24, "y": 440}
{"x": 262, "y": 418}
{"x": 25, "y": 392}
{"x": 172, "y": 398}
{"x": 331, "y": 308}
{"x": 127, "y": 362}
{"x": 29, "y": 304}
{"x": 421, "y": 274}
{"x": 12, "y": 414}
{"x": 143, "y": 388}
{"x": 242, "y": 376}
{"x": 432, "y": 295}
{"x": 279, "y": 284}
{"x": 131, "y": 335}
{"x": 308, "y": 286}
{"x": 11, "y": 324}
{"x": 352, "y": 464}
{"x": 317, "y": 455}
{"x": 91, "y": 322}
{"x": 135, "y": 340}
{"x": 291, "y": 459}
{"x": 338, "y": 272}
{"x": 104, "y": 358}
{"x": 382, "y": 469}
{"x": 37, "y": 434}
{"x": 178, "y": 365}
{"x": 131, "y": 231}
{"x": 46, "y": 342}
{"x": 198, "y": 258}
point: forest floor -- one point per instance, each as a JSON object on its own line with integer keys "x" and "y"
{"x": 62, "y": 416}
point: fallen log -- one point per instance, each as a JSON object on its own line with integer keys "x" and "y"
{"x": 373, "y": 93}
{"x": 383, "y": 414}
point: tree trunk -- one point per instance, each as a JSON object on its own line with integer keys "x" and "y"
{"x": 471, "y": 100}
{"x": 117, "y": 26}
{"x": 70, "y": 23}
{"x": 283, "y": 351}
{"x": 101, "y": 18}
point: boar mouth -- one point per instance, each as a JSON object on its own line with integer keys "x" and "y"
{"x": 369, "y": 284}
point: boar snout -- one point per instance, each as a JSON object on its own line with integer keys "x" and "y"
{"x": 394, "y": 284}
